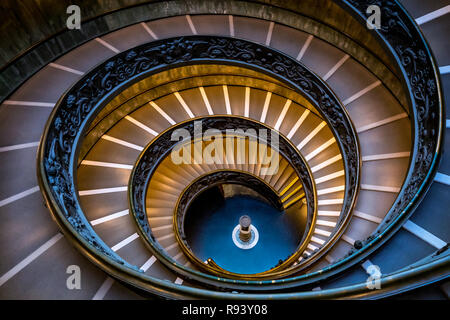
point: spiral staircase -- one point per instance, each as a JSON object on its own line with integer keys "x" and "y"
{"x": 362, "y": 167}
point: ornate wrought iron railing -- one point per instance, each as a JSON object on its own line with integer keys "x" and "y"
{"x": 403, "y": 42}
{"x": 214, "y": 179}
{"x": 74, "y": 111}
{"x": 161, "y": 147}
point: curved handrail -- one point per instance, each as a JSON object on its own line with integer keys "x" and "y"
{"x": 74, "y": 111}
{"x": 426, "y": 102}
{"x": 160, "y": 147}
{"x": 205, "y": 182}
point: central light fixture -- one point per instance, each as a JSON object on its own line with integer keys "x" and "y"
{"x": 245, "y": 235}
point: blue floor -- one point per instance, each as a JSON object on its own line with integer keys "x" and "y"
{"x": 209, "y": 227}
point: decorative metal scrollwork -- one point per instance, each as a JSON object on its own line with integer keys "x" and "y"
{"x": 82, "y": 102}
{"x": 79, "y": 106}
{"x": 415, "y": 62}
{"x": 160, "y": 148}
